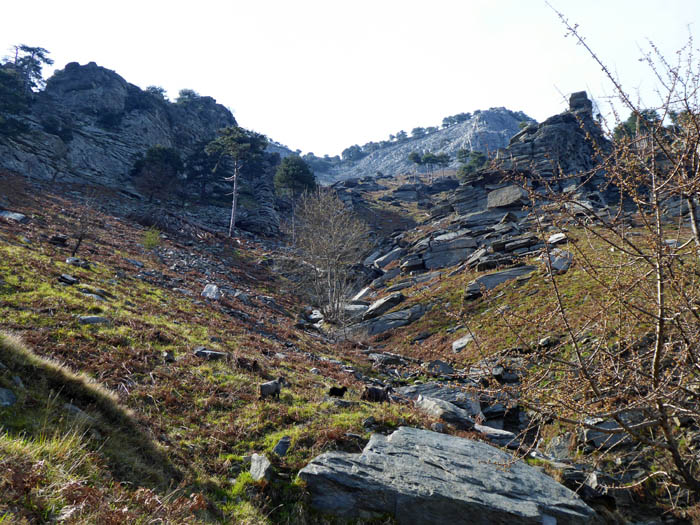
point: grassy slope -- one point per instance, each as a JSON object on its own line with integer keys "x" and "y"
{"x": 205, "y": 416}
{"x": 188, "y": 424}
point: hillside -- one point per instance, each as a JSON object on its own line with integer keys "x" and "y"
{"x": 498, "y": 357}
{"x": 179, "y": 374}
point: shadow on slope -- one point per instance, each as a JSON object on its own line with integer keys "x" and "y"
{"x": 51, "y": 400}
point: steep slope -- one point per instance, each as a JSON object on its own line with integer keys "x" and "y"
{"x": 180, "y": 369}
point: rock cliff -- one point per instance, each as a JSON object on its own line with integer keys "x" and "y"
{"x": 89, "y": 125}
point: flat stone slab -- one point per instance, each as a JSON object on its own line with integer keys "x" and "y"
{"x": 490, "y": 281}
{"x": 509, "y": 196}
{"x": 419, "y": 477}
{"x": 383, "y": 305}
{"x": 92, "y": 319}
{"x": 13, "y": 216}
{"x": 445, "y": 259}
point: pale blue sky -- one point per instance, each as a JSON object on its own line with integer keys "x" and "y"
{"x": 320, "y": 75}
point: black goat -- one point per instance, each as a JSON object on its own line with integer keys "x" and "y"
{"x": 376, "y": 394}
{"x": 334, "y": 391}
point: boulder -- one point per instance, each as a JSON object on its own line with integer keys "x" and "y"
{"x": 390, "y": 257}
{"x": 453, "y": 395}
{"x": 448, "y": 252}
{"x": 379, "y": 282}
{"x": 383, "y": 305}
{"x": 445, "y": 411}
{"x": 13, "y": 216}
{"x": 412, "y": 264}
{"x": 511, "y": 195}
{"x": 385, "y": 323}
{"x": 419, "y": 477}
{"x": 557, "y": 238}
{"x": 260, "y": 467}
{"x": 559, "y": 260}
{"x": 80, "y": 263}
{"x": 282, "y": 446}
{"x": 366, "y": 291}
{"x": 438, "y": 368}
{"x": 354, "y": 311}
{"x": 461, "y": 343}
{"x": 211, "y": 291}
{"x": 59, "y": 239}
{"x": 502, "y": 438}
{"x": 68, "y": 279}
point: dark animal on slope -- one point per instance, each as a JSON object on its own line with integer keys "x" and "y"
{"x": 334, "y": 391}
{"x": 376, "y": 394}
{"x": 251, "y": 365}
{"x": 272, "y": 388}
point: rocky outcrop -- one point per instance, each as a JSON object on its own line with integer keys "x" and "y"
{"x": 418, "y": 476}
{"x": 563, "y": 144}
{"x": 90, "y": 125}
{"x": 385, "y": 322}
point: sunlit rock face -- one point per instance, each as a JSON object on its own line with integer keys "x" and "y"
{"x": 485, "y": 131}
{"x": 89, "y": 125}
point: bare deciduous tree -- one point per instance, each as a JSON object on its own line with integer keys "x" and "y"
{"x": 329, "y": 239}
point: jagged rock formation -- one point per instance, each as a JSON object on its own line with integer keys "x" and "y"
{"x": 89, "y": 125}
{"x": 484, "y": 223}
{"x": 420, "y": 476}
{"x": 485, "y": 131}
{"x": 561, "y": 145}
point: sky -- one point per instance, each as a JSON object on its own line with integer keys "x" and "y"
{"x": 321, "y": 75}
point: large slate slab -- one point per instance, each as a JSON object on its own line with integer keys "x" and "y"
{"x": 511, "y": 195}
{"x": 422, "y": 477}
{"x": 385, "y": 322}
{"x": 445, "y": 258}
{"x": 490, "y": 281}
{"x": 383, "y": 305}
